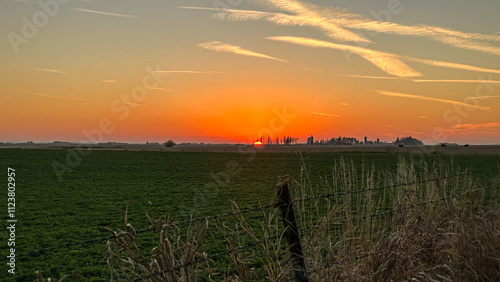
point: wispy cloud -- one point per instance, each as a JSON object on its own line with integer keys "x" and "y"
{"x": 137, "y": 105}
{"x": 198, "y": 8}
{"x": 228, "y": 48}
{"x": 338, "y": 23}
{"x": 371, "y": 77}
{"x": 472, "y": 126}
{"x": 189, "y": 71}
{"x": 390, "y": 63}
{"x": 483, "y": 97}
{"x": 57, "y": 97}
{"x": 50, "y": 70}
{"x": 303, "y": 17}
{"x": 447, "y": 36}
{"x": 20, "y": 68}
{"x": 165, "y": 89}
{"x": 450, "y": 65}
{"x": 103, "y": 13}
{"x": 324, "y": 114}
{"x": 488, "y": 128}
{"x": 468, "y": 44}
{"x": 458, "y": 81}
{"x": 418, "y": 97}
{"x": 109, "y": 81}
{"x": 387, "y": 62}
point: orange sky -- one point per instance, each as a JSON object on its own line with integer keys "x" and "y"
{"x": 194, "y": 73}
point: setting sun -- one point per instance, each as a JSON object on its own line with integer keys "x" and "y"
{"x": 195, "y": 73}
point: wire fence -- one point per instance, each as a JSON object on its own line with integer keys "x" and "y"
{"x": 381, "y": 214}
{"x": 333, "y": 195}
{"x": 252, "y": 244}
{"x": 152, "y": 228}
{"x": 240, "y": 212}
{"x": 385, "y": 213}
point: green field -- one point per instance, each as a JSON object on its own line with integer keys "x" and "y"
{"x": 93, "y": 196}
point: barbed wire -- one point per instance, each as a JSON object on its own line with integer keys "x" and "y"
{"x": 330, "y": 195}
{"x": 400, "y": 210}
{"x": 233, "y": 213}
{"x": 152, "y": 228}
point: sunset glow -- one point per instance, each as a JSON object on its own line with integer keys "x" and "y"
{"x": 232, "y": 71}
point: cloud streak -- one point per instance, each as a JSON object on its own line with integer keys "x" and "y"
{"x": 323, "y": 114}
{"x": 50, "y": 70}
{"x": 137, "y": 105}
{"x": 57, "y": 97}
{"x": 103, "y": 13}
{"x": 483, "y": 97}
{"x": 303, "y": 17}
{"x": 371, "y": 77}
{"x": 450, "y": 65}
{"x": 387, "y": 62}
{"x": 475, "y": 128}
{"x": 338, "y": 23}
{"x": 165, "y": 89}
{"x": 471, "y": 126}
{"x": 189, "y": 72}
{"x": 218, "y": 46}
{"x": 418, "y": 97}
{"x": 458, "y": 81}
{"x": 390, "y": 63}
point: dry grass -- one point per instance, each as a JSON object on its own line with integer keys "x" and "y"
{"x": 442, "y": 230}
{"x": 438, "y": 231}
{"x": 452, "y": 241}
{"x": 171, "y": 260}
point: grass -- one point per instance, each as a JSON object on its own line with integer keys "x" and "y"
{"x": 441, "y": 227}
{"x": 93, "y": 198}
{"x": 450, "y": 238}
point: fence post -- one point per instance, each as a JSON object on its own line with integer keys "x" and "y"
{"x": 291, "y": 231}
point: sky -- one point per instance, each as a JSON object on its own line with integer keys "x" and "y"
{"x": 229, "y": 71}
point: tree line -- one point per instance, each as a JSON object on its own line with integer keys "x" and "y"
{"x": 285, "y": 140}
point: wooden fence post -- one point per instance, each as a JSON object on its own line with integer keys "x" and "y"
{"x": 291, "y": 231}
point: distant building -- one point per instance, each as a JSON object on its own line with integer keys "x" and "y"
{"x": 366, "y": 140}
{"x": 310, "y": 140}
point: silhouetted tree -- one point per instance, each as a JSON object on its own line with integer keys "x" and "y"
{"x": 338, "y": 141}
{"x": 169, "y": 143}
{"x": 408, "y": 140}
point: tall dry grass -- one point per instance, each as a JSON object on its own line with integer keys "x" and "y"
{"x": 173, "y": 259}
{"x": 439, "y": 227}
